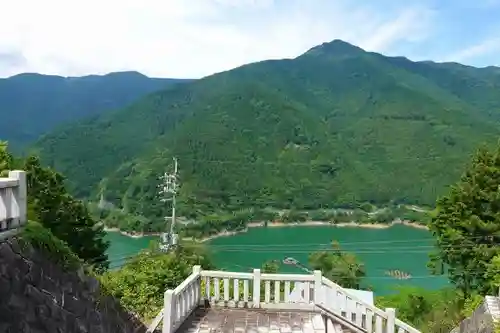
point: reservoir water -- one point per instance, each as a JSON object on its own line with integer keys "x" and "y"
{"x": 122, "y": 247}
{"x": 397, "y": 248}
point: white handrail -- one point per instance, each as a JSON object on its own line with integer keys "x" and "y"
{"x": 336, "y": 287}
{"x": 406, "y": 327}
{"x": 344, "y": 321}
{"x": 182, "y": 301}
{"x": 155, "y": 322}
{"x": 224, "y": 274}
{"x": 13, "y": 203}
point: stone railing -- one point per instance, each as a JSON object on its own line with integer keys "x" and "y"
{"x": 272, "y": 291}
{"x": 13, "y": 203}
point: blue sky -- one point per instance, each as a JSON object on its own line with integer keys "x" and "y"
{"x": 194, "y": 38}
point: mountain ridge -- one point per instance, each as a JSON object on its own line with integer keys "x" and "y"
{"x": 320, "y": 130}
{"x": 118, "y": 73}
{"x": 32, "y": 104}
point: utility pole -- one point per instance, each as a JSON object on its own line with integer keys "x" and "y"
{"x": 168, "y": 191}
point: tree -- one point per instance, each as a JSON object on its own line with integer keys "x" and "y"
{"x": 467, "y": 225}
{"x": 67, "y": 218}
{"x": 50, "y": 204}
{"x": 141, "y": 283}
{"x": 340, "y": 267}
{"x": 6, "y": 159}
{"x": 270, "y": 267}
{"x": 427, "y": 310}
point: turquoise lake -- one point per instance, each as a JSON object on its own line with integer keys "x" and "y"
{"x": 396, "y": 248}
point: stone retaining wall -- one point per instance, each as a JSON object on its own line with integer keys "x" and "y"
{"x": 38, "y": 296}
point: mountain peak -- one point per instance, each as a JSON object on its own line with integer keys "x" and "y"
{"x": 336, "y": 48}
{"x": 126, "y": 73}
{"x": 32, "y": 76}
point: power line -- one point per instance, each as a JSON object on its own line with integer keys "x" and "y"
{"x": 342, "y": 244}
{"x": 322, "y": 247}
{"x": 123, "y": 261}
{"x": 125, "y": 256}
{"x": 326, "y": 246}
{"x": 306, "y": 245}
{"x": 323, "y": 250}
{"x": 302, "y": 251}
{"x": 118, "y": 264}
{"x": 369, "y": 277}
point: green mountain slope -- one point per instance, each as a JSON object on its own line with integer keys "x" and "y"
{"x": 335, "y": 126}
{"x": 32, "y": 104}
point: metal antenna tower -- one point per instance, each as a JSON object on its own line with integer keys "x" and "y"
{"x": 168, "y": 192}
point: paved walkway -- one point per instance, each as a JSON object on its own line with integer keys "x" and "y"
{"x": 223, "y": 320}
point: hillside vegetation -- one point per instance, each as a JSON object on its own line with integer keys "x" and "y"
{"x": 336, "y": 126}
{"x": 66, "y": 218}
{"x": 32, "y": 104}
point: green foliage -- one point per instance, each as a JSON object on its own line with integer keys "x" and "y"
{"x": 42, "y": 239}
{"x": 34, "y": 104}
{"x": 467, "y": 225}
{"x": 471, "y": 304}
{"x": 493, "y": 271}
{"x": 215, "y": 223}
{"x": 50, "y": 204}
{"x": 327, "y": 129}
{"x": 141, "y": 283}
{"x": 429, "y": 311}
{"x": 340, "y": 267}
{"x": 67, "y": 218}
{"x": 6, "y": 160}
{"x": 270, "y": 267}
{"x": 116, "y": 218}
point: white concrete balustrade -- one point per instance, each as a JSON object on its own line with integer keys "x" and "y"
{"x": 181, "y": 302}
{"x": 272, "y": 291}
{"x": 13, "y": 203}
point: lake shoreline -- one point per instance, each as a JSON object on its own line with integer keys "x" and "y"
{"x": 313, "y": 224}
{"x": 136, "y": 234}
{"x": 227, "y": 233}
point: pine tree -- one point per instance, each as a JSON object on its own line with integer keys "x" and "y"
{"x": 467, "y": 224}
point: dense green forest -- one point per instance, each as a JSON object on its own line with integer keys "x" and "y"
{"x": 32, "y": 104}
{"x": 334, "y": 127}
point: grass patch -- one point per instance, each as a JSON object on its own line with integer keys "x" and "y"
{"x": 42, "y": 239}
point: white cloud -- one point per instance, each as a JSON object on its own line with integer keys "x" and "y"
{"x": 410, "y": 25}
{"x": 187, "y": 38}
{"x": 485, "y": 47}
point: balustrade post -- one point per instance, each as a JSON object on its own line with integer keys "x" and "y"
{"x": 197, "y": 287}
{"x": 318, "y": 283}
{"x": 391, "y": 320}
{"x": 20, "y": 194}
{"x": 168, "y": 312}
{"x": 256, "y": 288}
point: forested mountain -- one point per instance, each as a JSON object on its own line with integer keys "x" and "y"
{"x": 32, "y": 104}
{"x": 334, "y": 126}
